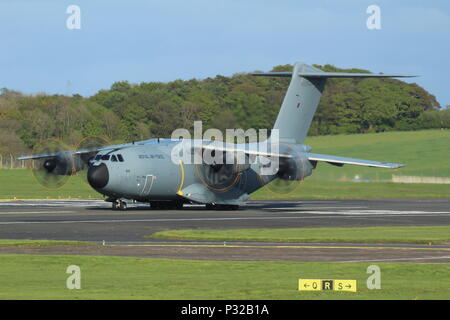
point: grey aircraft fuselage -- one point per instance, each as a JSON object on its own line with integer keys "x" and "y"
{"x": 147, "y": 173}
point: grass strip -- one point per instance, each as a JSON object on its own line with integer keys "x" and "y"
{"x": 40, "y": 243}
{"x": 409, "y": 234}
{"x": 44, "y": 277}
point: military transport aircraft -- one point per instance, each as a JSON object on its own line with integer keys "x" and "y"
{"x": 145, "y": 171}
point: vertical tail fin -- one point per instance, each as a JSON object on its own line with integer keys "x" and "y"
{"x": 299, "y": 105}
{"x": 303, "y": 96}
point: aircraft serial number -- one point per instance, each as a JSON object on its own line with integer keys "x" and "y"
{"x": 151, "y": 156}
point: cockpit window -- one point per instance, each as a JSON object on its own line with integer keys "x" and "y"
{"x": 98, "y": 157}
{"x": 119, "y": 156}
{"x": 113, "y": 158}
{"x": 105, "y": 157}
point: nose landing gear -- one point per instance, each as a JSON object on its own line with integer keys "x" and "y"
{"x": 119, "y": 205}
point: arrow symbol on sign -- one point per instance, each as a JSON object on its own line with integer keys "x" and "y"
{"x": 348, "y": 286}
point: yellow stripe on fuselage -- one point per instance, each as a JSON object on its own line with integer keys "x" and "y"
{"x": 179, "y": 192}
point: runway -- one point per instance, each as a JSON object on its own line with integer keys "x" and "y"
{"x": 123, "y": 231}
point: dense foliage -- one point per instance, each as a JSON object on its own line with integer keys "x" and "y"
{"x": 129, "y": 112}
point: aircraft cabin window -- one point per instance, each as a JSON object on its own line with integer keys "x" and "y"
{"x": 119, "y": 156}
{"x": 105, "y": 157}
{"x": 113, "y": 158}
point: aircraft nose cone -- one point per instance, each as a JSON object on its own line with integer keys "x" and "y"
{"x": 98, "y": 176}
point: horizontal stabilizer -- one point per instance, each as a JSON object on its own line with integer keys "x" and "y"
{"x": 335, "y": 160}
{"x": 333, "y": 75}
{"x": 303, "y": 96}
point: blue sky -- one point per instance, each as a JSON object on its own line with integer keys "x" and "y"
{"x": 164, "y": 40}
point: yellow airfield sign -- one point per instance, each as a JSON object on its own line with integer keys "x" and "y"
{"x": 326, "y": 285}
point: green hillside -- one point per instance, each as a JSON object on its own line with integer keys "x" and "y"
{"x": 128, "y": 112}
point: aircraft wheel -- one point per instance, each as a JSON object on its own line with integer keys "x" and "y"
{"x": 230, "y": 207}
{"x": 178, "y": 205}
{"x": 156, "y": 205}
{"x": 166, "y": 205}
{"x": 224, "y": 207}
{"x": 119, "y": 205}
{"x": 122, "y": 205}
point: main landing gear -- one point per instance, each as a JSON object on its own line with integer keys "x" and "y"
{"x": 166, "y": 205}
{"x": 224, "y": 207}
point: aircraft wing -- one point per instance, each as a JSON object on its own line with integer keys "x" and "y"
{"x": 334, "y": 160}
{"x": 340, "y": 161}
{"x": 74, "y": 152}
{"x": 42, "y": 155}
{"x": 249, "y": 149}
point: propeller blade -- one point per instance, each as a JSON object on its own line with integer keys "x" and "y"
{"x": 218, "y": 177}
{"x": 52, "y": 172}
{"x": 282, "y": 187}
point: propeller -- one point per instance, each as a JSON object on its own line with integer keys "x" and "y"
{"x": 286, "y": 180}
{"x": 83, "y": 161}
{"x": 283, "y": 187}
{"x": 52, "y": 172}
{"x": 219, "y": 176}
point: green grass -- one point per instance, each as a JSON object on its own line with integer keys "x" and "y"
{"x": 423, "y": 235}
{"x": 424, "y": 152}
{"x": 40, "y": 243}
{"x": 44, "y": 277}
{"x": 314, "y": 189}
{"x": 21, "y": 184}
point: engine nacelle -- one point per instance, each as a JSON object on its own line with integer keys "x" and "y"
{"x": 65, "y": 163}
{"x": 60, "y": 165}
{"x": 298, "y": 167}
{"x": 223, "y": 174}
